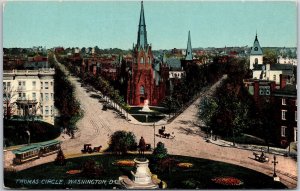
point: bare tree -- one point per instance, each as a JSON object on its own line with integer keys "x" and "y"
{"x": 8, "y": 98}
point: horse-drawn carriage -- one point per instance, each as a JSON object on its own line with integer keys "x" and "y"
{"x": 87, "y": 148}
{"x": 162, "y": 134}
{"x": 261, "y": 157}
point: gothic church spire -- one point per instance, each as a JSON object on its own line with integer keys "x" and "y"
{"x": 142, "y": 33}
{"x": 189, "y": 51}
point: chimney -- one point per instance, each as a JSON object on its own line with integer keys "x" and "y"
{"x": 282, "y": 81}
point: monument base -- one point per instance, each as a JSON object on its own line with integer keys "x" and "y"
{"x": 126, "y": 183}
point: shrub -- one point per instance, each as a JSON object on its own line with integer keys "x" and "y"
{"x": 122, "y": 141}
{"x": 60, "y": 159}
{"x": 160, "y": 151}
{"x": 91, "y": 169}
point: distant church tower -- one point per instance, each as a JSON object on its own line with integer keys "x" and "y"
{"x": 256, "y": 54}
{"x": 141, "y": 77}
{"x": 189, "y": 50}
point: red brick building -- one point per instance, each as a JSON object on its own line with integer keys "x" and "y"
{"x": 146, "y": 79}
{"x": 284, "y": 100}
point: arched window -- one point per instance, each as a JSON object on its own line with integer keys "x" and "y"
{"x": 142, "y": 90}
{"x": 142, "y": 60}
{"x": 256, "y": 61}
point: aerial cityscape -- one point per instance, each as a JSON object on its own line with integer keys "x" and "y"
{"x": 150, "y": 95}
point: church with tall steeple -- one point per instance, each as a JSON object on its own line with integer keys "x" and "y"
{"x": 143, "y": 81}
{"x": 256, "y": 54}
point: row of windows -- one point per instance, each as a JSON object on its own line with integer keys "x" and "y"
{"x": 283, "y": 115}
{"x": 264, "y": 90}
{"x": 47, "y": 98}
{"x": 47, "y": 112}
{"x": 6, "y": 85}
{"x": 284, "y": 132}
{"x": 283, "y": 102}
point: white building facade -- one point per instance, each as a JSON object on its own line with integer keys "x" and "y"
{"x": 29, "y": 93}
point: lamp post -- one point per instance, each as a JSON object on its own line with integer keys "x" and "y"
{"x": 274, "y": 162}
{"x": 154, "y": 135}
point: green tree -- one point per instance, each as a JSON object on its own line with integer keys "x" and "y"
{"x": 122, "y": 141}
{"x": 160, "y": 152}
{"x": 270, "y": 56}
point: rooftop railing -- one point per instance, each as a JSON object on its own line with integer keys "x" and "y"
{"x": 30, "y": 72}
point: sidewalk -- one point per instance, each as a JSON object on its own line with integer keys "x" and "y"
{"x": 257, "y": 148}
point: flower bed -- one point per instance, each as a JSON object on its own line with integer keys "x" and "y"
{"x": 185, "y": 165}
{"x": 124, "y": 163}
{"x": 73, "y": 172}
{"x": 228, "y": 181}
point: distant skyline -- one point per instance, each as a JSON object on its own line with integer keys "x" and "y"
{"x": 115, "y": 24}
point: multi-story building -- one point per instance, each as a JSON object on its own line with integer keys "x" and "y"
{"x": 284, "y": 99}
{"x": 29, "y": 94}
{"x": 266, "y": 71}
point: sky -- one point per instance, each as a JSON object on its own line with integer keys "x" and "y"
{"x": 115, "y": 24}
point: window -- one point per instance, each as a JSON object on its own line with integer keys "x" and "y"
{"x": 274, "y": 77}
{"x": 46, "y": 96}
{"x": 295, "y": 134}
{"x": 8, "y": 85}
{"x": 142, "y": 90}
{"x": 51, "y": 110}
{"x": 264, "y": 90}
{"x": 20, "y": 83}
{"x": 46, "y": 85}
{"x": 20, "y": 95}
{"x": 41, "y": 85}
{"x": 24, "y": 83}
{"x": 41, "y": 97}
{"x": 47, "y": 110}
{"x": 24, "y": 96}
{"x": 295, "y": 115}
{"x": 4, "y": 85}
{"x": 142, "y": 60}
{"x": 283, "y": 131}
{"x": 33, "y": 84}
{"x": 34, "y": 96}
{"x": 283, "y": 113}
{"x": 52, "y": 96}
{"x": 51, "y": 83}
{"x": 283, "y": 101}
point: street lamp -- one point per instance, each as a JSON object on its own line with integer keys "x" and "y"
{"x": 274, "y": 162}
{"x": 154, "y": 135}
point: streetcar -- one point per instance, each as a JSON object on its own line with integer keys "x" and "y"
{"x": 35, "y": 151}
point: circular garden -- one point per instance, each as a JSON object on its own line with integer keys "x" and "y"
{"x": 103, "y": 171}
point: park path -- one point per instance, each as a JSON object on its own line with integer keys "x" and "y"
{"x": 97, "y": 125}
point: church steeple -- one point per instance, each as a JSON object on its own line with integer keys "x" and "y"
{"x": 142, "y": 33}
{"x": 256, "y": 49}
{"x": 189, "y": 51}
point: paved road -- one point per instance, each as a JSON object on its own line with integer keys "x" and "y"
{"x": 97, "y": 125}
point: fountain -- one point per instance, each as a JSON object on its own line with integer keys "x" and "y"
{"x": 141, "y": 177}
{"x": 146, "y": 107}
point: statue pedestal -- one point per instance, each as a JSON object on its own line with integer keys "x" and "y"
{"x": 141, "y": 177}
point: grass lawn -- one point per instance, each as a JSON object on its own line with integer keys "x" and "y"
{"x": 198, "y": 176}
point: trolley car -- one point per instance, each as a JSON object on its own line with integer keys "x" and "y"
{"x": 35, "y": 151}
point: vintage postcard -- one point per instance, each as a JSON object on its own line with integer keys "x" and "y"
{"x": 150, "y": 94}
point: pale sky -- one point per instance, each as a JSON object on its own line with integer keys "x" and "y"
{"x": 115, "y": 24}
